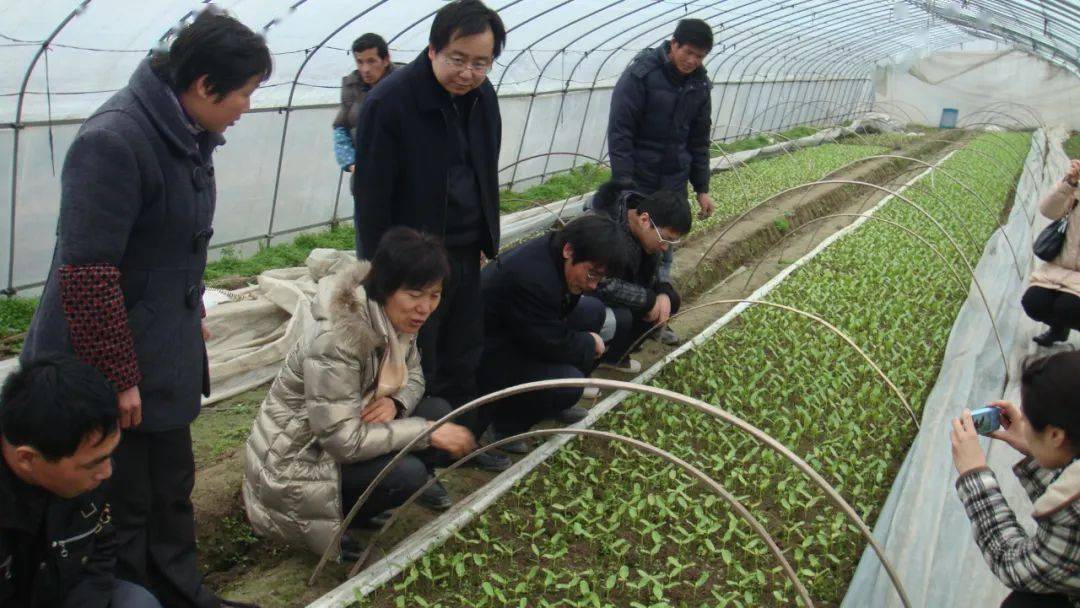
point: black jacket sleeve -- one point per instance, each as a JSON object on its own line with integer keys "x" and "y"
{"x": 536, "y": 328}
{"x": 700, "y": 126}
{"x": 376, "y": 173}
{"x": 626, "y": 294}
{"x": 627, "y": 103}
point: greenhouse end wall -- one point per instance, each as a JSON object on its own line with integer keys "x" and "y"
{"x": 1023, "y": 90}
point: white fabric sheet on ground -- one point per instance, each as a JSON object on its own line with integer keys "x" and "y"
{"x": 922, "y": 526}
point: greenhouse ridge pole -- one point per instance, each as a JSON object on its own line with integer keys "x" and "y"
{"x": 16, "y": 127}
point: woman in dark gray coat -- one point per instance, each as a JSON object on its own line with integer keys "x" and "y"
{"x": 124, "y": 292}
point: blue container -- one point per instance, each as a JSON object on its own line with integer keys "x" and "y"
{"x": 948, "y": 118}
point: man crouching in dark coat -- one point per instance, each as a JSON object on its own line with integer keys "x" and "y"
{"x": 529, "y": 292}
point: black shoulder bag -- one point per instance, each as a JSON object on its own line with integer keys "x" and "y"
{"x": 1052, "y": 238}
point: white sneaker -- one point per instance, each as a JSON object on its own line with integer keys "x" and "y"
{"x": 590, "y": 392}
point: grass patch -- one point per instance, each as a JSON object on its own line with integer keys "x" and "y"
{"x": 578, "y": 180}
{"x": 1072, "y": 145}
{"x": 761, "y": 140}
{"x": 221, "y": 429}
{"x": 285, "y": 255}
{"x": 15, "y": 315}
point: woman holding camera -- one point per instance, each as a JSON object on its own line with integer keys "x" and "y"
{"x": 349, "y": 397}
{"x": 1043, "y": 569}
{"x": 1054, "y": 295}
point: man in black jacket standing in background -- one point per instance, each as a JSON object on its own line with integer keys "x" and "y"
{"x": 427, "y": 147}
{"x": 660, "y": 122}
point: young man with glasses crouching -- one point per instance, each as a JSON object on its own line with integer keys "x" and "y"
{"x": 636, "y": 301}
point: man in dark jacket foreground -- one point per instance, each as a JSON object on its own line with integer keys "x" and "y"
{"x": 59, "y": 423}
{"x": 427, "y": 147}
{"x": 628, "y": 304}
{"x": 660, "y": 122}
{"x": 528, "y": 294}
{"x": 124, "y": 293}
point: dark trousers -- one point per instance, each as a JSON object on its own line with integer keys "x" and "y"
{"x": 452, "y": 340}
{"x": 150, "y": 498}
{"x": 1023, "y": 599}
{"x": 406, "y": 477}
{"x": 589, "y": 315}
{"x": 1055, "y": 308}
{"x": 520, "y": 413}
{"x": 130, "y": 595}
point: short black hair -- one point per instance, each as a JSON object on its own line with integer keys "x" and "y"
{"x": 53, "y": 405}
{"x": 217, "y": 46}
{"x": 405, "y": 258}
{"x": 371, "y": 41}
{"x": 597, "y": 239}
{"x": 466, "y": 18}
{"x": 1050, "y": 394}
{"x": 694, "y": 32}
{"x": 667, "y": 209}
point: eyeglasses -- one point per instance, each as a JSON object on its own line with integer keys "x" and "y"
{"x": 594, "y": 277}
{"x": 661, "y": 237}
{"x": 476, "y": 67}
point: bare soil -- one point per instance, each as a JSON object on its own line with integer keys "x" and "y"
{"x": 751, "y": 251}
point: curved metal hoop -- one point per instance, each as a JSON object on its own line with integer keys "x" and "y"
{"x": 716, "y": 412}
{"x": 939, "y": 168}
{"x": 712, "y": 484}
{"x": 911, "y": 232}
{"x": 944, "y": 232}
{"x": 812, "y": 317}
{"x": 742, "y": 216}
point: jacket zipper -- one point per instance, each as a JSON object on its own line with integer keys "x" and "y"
{"x": 63, "y": 543}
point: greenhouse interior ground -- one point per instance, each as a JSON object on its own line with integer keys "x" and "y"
{"x": 877, "y": 167}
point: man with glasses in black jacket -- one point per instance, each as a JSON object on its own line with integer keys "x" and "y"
{"x": 427, "y": 147}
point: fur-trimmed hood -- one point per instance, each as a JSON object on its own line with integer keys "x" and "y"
{"x": 342, "y": 300}
{"x": 1061, "y": 493}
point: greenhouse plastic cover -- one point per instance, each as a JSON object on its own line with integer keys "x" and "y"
{"x": 922, "y": 526}
{"x": 773, "y": 66}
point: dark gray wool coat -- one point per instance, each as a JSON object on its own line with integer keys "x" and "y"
{"x": 138, "y": 193}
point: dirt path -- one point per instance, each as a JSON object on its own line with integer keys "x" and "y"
{"x": 244, "y": 567}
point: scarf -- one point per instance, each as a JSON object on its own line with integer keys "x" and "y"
{"x": 393, "y": 371}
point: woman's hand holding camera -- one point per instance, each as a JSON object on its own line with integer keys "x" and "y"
{"x": 1012, "y": 427}
{"x": 967, "y": 453}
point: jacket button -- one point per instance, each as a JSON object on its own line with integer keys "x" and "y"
{"x": 42, "y": 566}
{"x": 84, "y": 560}
{"x": 192, "y": 299}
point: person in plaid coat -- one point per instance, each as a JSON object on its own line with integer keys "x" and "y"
{"x": 1043, "y": 569}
